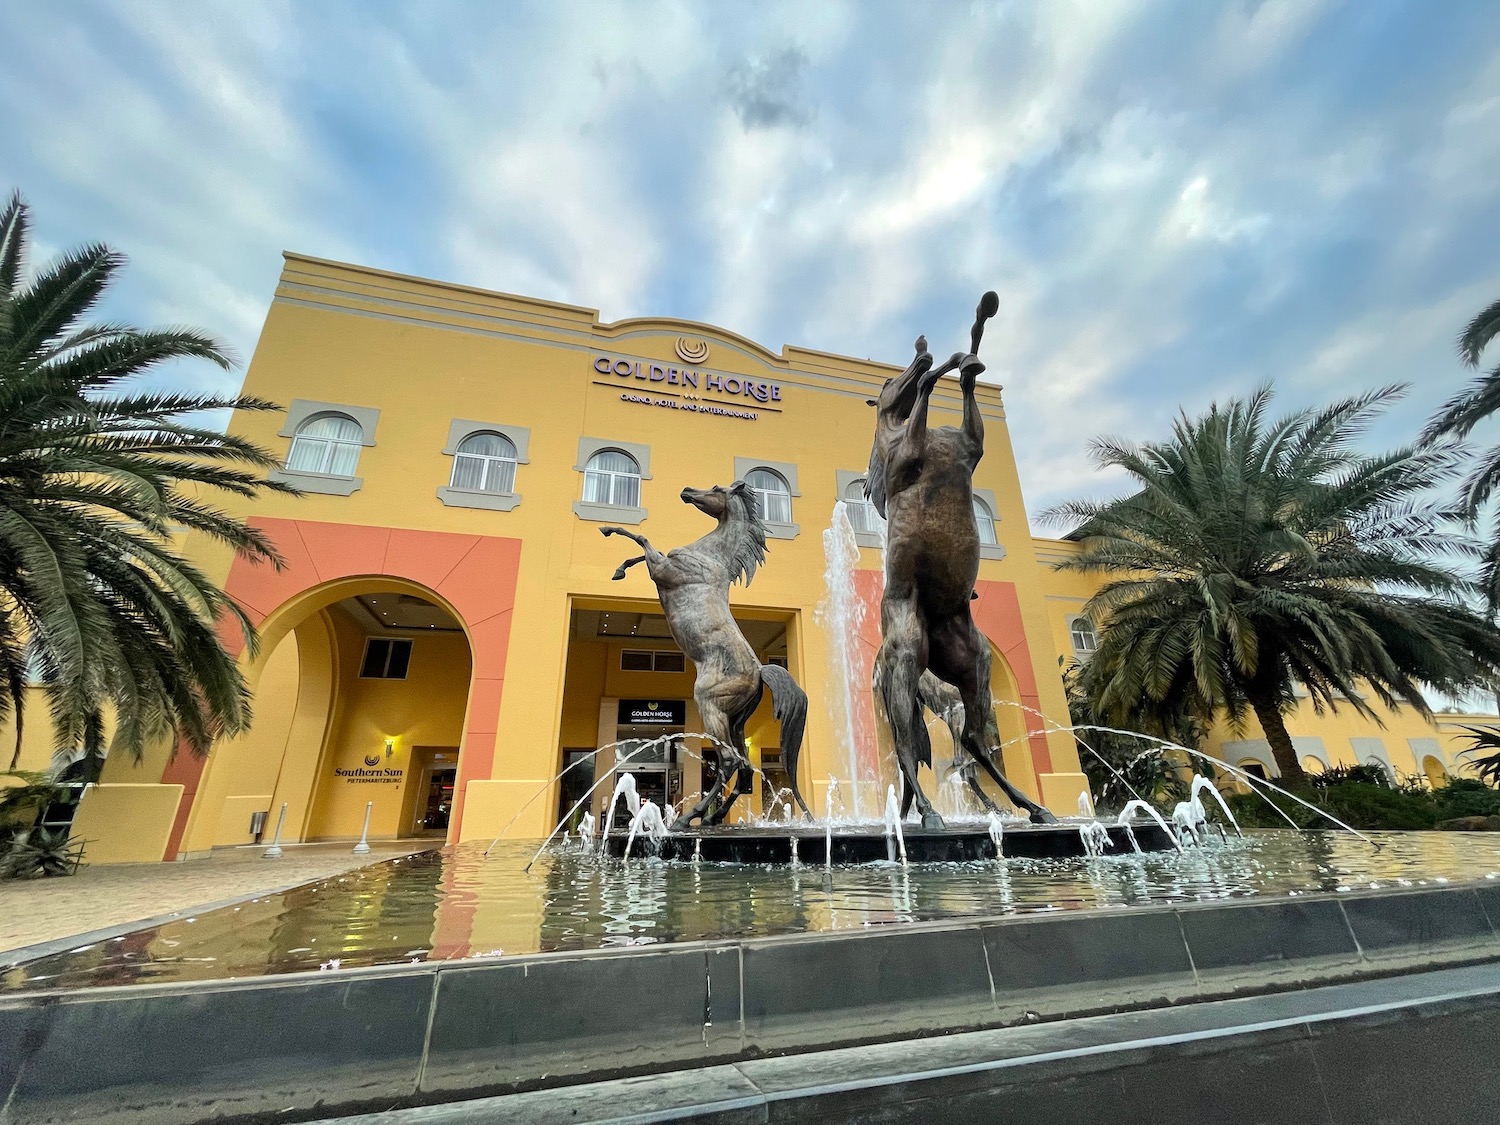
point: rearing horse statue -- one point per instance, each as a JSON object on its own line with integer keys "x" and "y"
{"x": 693, "y": 583}
{"x": 921, "y": 480}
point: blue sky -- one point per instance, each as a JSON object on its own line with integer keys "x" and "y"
{"x": 1175, "y": 201}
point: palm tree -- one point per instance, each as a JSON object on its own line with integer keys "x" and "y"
{"x": 1458, "y": 417}
{"x": 1484, "y": 745}
{"x": 1259, "y": 555}
{"x": 98, "y": 481}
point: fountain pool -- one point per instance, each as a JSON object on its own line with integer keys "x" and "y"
{"x": 454, "y": 903}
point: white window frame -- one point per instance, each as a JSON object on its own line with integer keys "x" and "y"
{"x": 489, "y": 464}
{"x": 330, "y": 446}
{"x": 613, "y": 482}
{"x": 775, "y": 528}
{"x": 655, "y": 656}
{"x": 299, "y": 415}
{"x": 774, "y": 504}
{"x": 585, "y": 509}
{"x": 862, "y": 514}
{"x": 393, "y": 642}
{"x": 1080, "y": 651}
{"x": 456, "y": 496}
{"x": 996, "y": 550}
{"x": 845, "y": 480}
{"x": 984, "y": 516}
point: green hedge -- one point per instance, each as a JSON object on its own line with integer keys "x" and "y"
{"x": 1365, "y": 801}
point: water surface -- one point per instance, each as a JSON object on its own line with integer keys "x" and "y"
{"x": 456, "y": 903}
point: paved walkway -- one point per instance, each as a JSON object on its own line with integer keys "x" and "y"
{"x": 43, "y": 910}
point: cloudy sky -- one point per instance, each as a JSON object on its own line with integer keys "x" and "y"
{"x": 1174, "y": 200}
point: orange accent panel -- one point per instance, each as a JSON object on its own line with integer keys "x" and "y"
{"x": 341, "y": 551}
{"x": 260, "y": 586}
{"x": 485, "y": 578}
{"x": 412, "y": 551}
{"x": 476, "y": 574}
{"x": 484, "y": 700}
{"x": 231, "y": 635}
{"x": 478, "y": 756}
{"x": 490, "y": 639}
{"x": 183, "y": 768}
{"x": 997, "y": 612}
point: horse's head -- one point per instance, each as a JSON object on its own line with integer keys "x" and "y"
{"x": 736, "y": 507}
{"x": 898, "y": 398}
{"x": 719, "y": 501}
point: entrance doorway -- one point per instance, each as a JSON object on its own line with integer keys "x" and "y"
{"x": 437, "y": 776}
{"x": 399, "y": 668}
{"x": 576, "y": 785}
{"x": 629, "y": 692}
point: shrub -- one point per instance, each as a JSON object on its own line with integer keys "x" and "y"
{"x": 1358, "y": 803}
{"x": 38, "y": 853}
{"x": 28, "y": 851}
{"x": 1464, "y": 796}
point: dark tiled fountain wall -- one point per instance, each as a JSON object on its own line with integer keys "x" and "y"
{"x": 292, "y": 1048}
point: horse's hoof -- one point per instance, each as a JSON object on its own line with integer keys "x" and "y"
{"x": 1042, "y": 816}
{"x": 932, "y": 822}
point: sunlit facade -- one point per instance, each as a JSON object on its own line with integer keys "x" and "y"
{"x": 445, "y": 637}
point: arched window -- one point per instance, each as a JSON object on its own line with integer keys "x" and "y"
{"x": 1085, "y": 640}
{"x": 613, "y": 478}
{"x": 485, "y": 462}
{"x": 984, "y": 520}
{"x": 772, "y": 494}
{"x": 327, "y": 443}
{"x": 862, "y": 513}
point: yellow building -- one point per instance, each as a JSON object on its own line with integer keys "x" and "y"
{"x": 445, "y": 636}
{"x": 1403, "y": 743}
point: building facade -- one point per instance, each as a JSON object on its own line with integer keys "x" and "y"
{"x": 445, "y": 636}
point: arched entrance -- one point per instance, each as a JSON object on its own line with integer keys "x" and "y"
{"x": 361, "y": 701}
{"x": 471, "y": 578}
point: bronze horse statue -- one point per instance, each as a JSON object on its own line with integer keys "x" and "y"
{"x": 693, "y": 583}
{"x": 921, "y": 480}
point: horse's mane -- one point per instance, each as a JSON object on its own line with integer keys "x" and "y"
{"x": 744, "y": 532}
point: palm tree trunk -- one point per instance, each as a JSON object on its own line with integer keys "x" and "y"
{"x": 1274, "y": 725}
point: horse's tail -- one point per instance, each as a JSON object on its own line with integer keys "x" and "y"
{"x": 789, "y": 705}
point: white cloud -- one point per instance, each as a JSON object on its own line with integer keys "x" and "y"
{"x": 1172, "y": 203}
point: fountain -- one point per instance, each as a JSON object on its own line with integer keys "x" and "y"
{"x": 734, "y": 890}
{"x": 919, "y": 476}
{"x": 893, "y": 827}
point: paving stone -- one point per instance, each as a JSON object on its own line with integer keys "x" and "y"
{"x": 1413, "y": 1065}
{"x": 49, "y": 910}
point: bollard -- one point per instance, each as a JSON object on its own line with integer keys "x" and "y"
{"x": 274, "y": 851}
{"x": 363, "y": 847}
